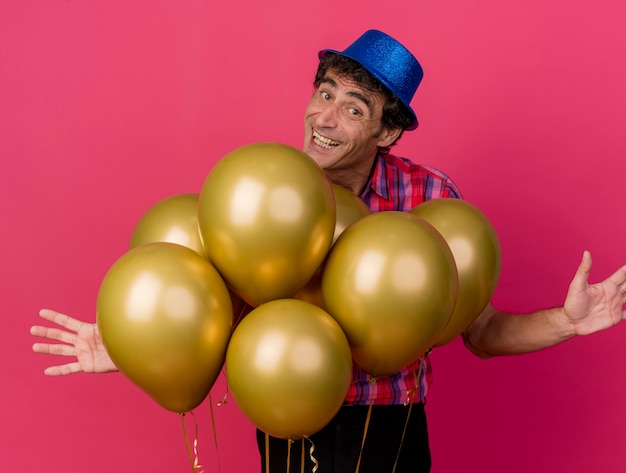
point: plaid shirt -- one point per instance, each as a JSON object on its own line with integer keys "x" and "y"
{"x": 399, "y": 184}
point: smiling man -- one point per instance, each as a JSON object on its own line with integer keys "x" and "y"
{"x": 352, "y": 115}
{"x": 343, "y": 131}
{"x": 359, "y": 109}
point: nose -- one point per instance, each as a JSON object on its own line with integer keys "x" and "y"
{"x": 327, "y": 116}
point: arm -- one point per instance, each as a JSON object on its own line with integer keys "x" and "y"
{"x": 588, "y": 308}
{"x": 81, "y": 340}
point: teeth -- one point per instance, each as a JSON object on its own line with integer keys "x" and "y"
{"x": 323, "y": 141}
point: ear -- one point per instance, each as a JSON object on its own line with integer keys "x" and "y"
{"x": 388, "y": 136}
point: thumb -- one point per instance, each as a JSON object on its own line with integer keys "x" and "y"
{"x": 582, "y": 273}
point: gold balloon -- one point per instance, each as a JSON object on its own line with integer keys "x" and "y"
{"x": 267, "y": 216}
{"x": 350, "y": 209}
{"x": 165, "y": 317}
{"x": 173, "y": 219}
{"x": 288, "y": 366}
{"x": 391, "y": 283}
{"x": 476, "y": 250}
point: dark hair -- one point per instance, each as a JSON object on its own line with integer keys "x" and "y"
{"x": 395, "y": 113}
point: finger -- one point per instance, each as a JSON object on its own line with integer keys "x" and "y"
{"x": 53, "y": 334}
{"x": 619, "y": 278}
{"x": 63, "y": 320}
{"x": 62, "y": 370}
{"x": 54, "y": 349}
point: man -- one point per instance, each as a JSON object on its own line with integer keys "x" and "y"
{"x": 360, "y": 108}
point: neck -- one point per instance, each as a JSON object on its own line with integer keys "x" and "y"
{"x": 349, "y": 180}
{"x": 352, "y": 179}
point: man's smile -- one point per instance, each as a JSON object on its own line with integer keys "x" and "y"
{"x": 323, "y": 141}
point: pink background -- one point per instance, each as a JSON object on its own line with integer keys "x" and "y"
{"x": 108, "y": 107}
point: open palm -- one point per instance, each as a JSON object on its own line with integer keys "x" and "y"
{"x": 594, "y": 307}
{"x": 79, "y": 339}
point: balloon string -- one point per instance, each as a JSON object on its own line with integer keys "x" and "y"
{"x": 406, "y": 423}
{"x": 193, "y": 457}
{"x": 182, "y": 417}
{"x": 313, "y": 459}
{"x": 289, "y": 442}
{"x": 217, "y": 451}
{"x": 224, "y": 398}
{"x": 367, "y": 424}
{"x": 196, "y": 464}
{"x": 267, "y": 453}
{"x": 417, "y": 374}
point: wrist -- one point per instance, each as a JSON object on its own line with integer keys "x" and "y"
{"x": 564, "y": 326}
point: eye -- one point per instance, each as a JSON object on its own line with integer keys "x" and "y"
{"x": 325, "y": 95}
{"x": 354, "y": 112}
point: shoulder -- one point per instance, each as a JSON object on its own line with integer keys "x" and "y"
{"x": 428, "y": 176}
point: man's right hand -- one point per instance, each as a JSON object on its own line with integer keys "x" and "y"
{"x": 79, "y": 339}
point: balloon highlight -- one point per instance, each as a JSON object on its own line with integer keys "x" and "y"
{"x": 391, "y": 283}
{"x": 477, "y": 254}
{"x": 288, "y": 365}
{"x": 165, "y": 317}
{"x": 267, "y": 217}
{"x": 173, "y": 219}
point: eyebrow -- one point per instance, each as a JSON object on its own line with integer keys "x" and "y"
{"x": 356, "y": 95}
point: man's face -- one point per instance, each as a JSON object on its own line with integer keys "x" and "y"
{"x": 342, "y": 127}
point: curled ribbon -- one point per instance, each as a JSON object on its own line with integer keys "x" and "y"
{"x": 193, "y": 457}
{"x": 313, "y": 459}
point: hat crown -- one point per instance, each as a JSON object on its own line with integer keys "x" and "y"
{"x": 388, "y": 61}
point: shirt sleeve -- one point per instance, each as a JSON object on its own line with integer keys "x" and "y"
{"x": 439, "y": 185}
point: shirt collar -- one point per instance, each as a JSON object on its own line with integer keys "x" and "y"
{"x": 378, "y": 182}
